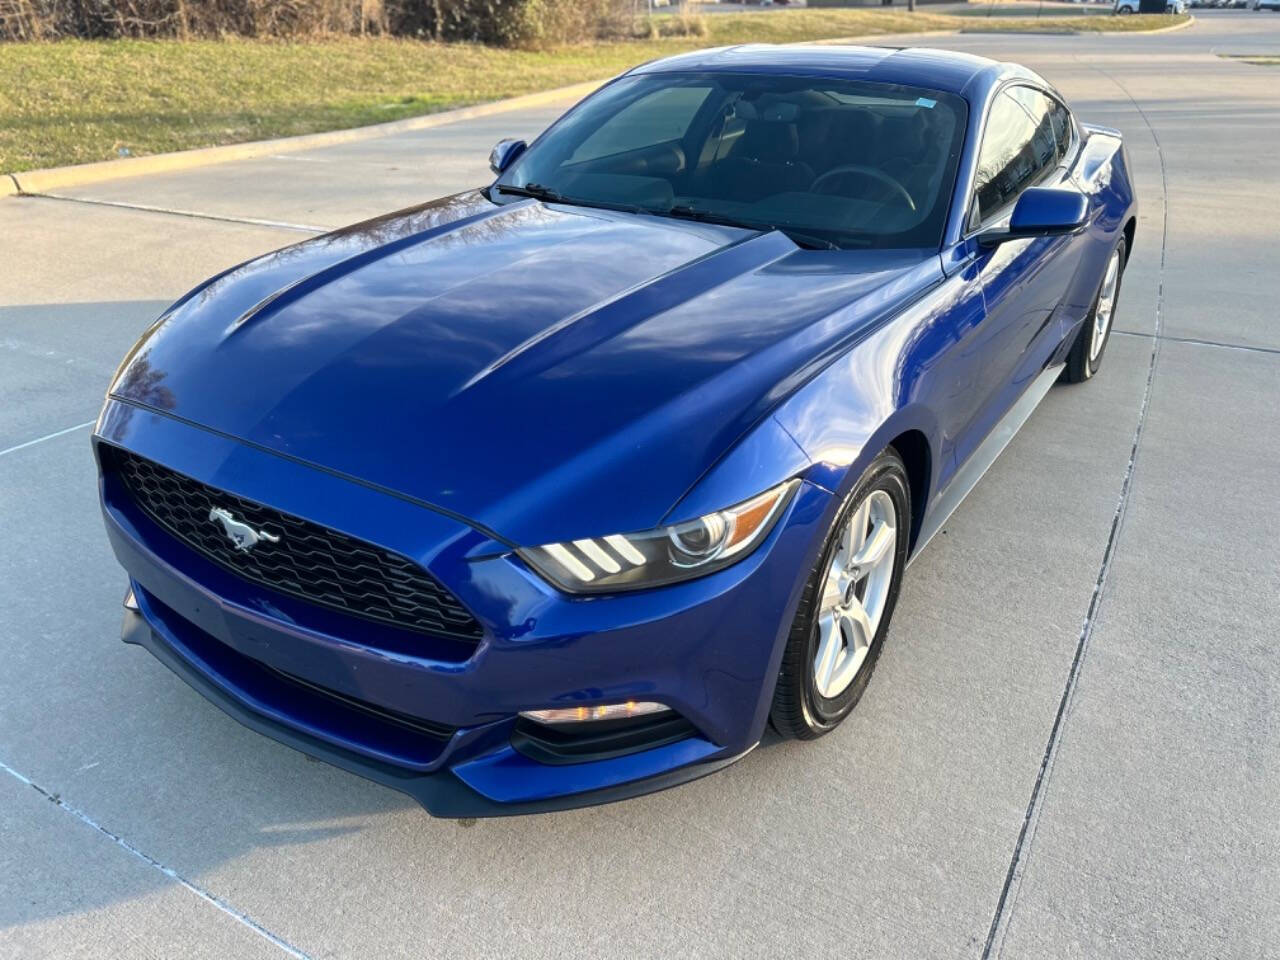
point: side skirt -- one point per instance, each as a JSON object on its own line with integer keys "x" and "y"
{"x": 980, "y": 460}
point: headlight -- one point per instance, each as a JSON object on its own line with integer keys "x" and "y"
{"x": 633, "y": 561}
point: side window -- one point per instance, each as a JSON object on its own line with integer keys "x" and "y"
{"x": 660, "y": 117}
{"x": 1063, "y": 128}
{"x": 1018, "y": 149}
{"x": 1044, "y": 143}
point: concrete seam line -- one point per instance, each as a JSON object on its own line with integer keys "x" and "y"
{"x": 193, "y": 214}
{"x": 1026, "y": 835}
{"x": 41, "y": 181}
{"x": 1197, "y": 342}
{"x": 47, "y": 436}
{"x": 151, "y": 861}
{"x": 9, "y": 186}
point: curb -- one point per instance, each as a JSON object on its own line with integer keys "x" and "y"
{"x": 989, "y": 32}
{"x": 869, "y": 39}
{"x": 1085, "y": 33}
{"x": 1191, "y": 18}
{"x": 53, "y": 178}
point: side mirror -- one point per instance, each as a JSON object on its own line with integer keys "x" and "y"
{"x": 1041, "y": 212}
{"x": 504, "y": 154}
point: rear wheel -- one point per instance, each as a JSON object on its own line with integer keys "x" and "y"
{"x": 848, "y": 601}
{"x": 1086, "y": 353}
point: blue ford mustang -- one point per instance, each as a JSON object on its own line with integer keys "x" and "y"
{"x": 559, "y": 491}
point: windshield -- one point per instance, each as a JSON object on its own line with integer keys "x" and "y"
{"x": 832, "y": 162}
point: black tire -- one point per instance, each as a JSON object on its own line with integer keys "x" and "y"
{"x": 799, "y": 711}
{"x": 1079, "y": 366}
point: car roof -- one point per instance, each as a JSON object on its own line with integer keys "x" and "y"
{"x": 944, "y": 70}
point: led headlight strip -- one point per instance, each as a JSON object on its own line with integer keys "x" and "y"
{"x": 668, "y": 554}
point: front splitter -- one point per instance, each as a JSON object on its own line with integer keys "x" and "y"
{"x": 441, "y": 793}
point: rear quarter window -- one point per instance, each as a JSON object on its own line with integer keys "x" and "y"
{"x": 1063, "y": 127}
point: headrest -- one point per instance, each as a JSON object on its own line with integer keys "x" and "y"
{"x": 776, "y": 112}
{"x": 769, "y": 141}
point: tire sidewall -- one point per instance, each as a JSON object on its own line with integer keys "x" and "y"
{"x": 1096, "y": 362}
{"x": 885, "y": 473}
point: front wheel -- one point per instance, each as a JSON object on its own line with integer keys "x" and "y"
{"x": 1086, "y": 353}
{"x": 846, "y": 606}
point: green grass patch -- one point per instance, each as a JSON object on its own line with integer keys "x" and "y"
{"x": 76, "y": 101}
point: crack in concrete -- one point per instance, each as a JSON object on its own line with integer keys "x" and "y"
{"x": 151, "y": 861}
{"x": 1026, "y": 835}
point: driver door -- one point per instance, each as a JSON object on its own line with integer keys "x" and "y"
{"x": 1022, "y": 281}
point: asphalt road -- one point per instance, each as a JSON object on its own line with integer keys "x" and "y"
{"x": 1070, "y": 747}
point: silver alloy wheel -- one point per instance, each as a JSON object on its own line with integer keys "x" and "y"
{"x": 1106, "y": 307}
{"x": 855, "y": 591}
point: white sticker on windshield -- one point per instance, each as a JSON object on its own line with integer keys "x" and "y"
{"x": 926, "y": 103}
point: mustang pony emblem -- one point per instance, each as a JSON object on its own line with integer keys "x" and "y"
{"x": 241, "y": 534}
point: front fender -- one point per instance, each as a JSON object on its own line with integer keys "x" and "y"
{"x": 889, "y": 383}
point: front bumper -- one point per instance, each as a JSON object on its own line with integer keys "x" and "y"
{"x": 442, "y": 794}
{"x": 708, "y": 648}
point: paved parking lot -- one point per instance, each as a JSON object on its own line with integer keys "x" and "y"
{"x": 1071, "y": 747}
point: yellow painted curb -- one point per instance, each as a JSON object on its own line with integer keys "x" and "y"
{"x": 42, "y": 181}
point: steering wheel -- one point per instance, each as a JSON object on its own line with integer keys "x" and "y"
{"x": 875, "y": 173}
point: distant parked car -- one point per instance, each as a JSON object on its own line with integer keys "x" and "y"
{"x": 1272, "y": 5}
{"x": 1131, "y": 6}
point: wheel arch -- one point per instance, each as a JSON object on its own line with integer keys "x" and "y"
{"x": 912, "y": 431}
{"x": 917, "y": 456}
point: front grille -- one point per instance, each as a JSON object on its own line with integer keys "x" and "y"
{"x": 308, "y": 561}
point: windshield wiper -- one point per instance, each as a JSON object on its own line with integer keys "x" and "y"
{"x": 535, "y": 190}
{"x": 538, "y": 192}
{"x": 800, "y": 239}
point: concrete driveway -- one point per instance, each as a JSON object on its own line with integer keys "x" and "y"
{"x": 1071, "y": 747}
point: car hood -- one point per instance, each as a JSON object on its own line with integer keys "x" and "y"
{"x": 546, "y": 372}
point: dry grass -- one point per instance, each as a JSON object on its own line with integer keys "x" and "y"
{"x": 77, "y": 101}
